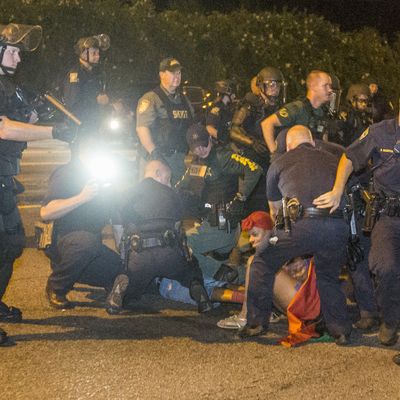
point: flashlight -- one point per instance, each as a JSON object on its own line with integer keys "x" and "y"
{"x": 102, "y": 168}
{"x": 114, "y": 124}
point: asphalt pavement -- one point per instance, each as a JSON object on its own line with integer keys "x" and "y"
{"x": 166, "y": 350}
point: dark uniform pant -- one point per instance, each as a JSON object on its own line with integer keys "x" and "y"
{"x": 12, "y": 238}
{"x": 384, "y": 261}
{"x": 362, "y": 282}
{"x": 325, "y": 239}
{"x": 159, "y": 262}
{"x": 81, "y": 257}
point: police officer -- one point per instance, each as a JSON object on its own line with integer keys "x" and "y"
{"x": 162, "y": 118}
{"x": 84, "y": 85}
{"x": 154, "y": 246}
{"x": 357, "y": 116}
{"x": 80, "y": 200}
{"x": 382, "y": 108}
{"x": 379, "y": 143}
{"x": 16, "y": 128}
{"x": 293, "y": 181}
{"x": 217, "y": 197}
{"x": 219, "y": 114}
{"x": 246, "y": 131}
{"x": 310, "y": 112}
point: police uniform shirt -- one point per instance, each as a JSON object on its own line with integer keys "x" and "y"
{"x": 151, "y": 204}
{"x": 300, "y": 112}
{"x": 335, "y": 149}
{"x": 150, "y": 107}
{"x": 68, "y": 181}
{"x": 224, "y": 169}
{"x": 10, "y": 150}
{"x": 81, "y": 88}
{"x": 377, "y": 143}
{"x": 303, "y": 173}
{"x": 257, "y": 111}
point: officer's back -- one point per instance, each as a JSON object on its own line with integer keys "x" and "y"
{"x": 304, "y": 172}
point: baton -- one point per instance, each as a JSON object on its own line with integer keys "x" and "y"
{"x": 62, "y": 108}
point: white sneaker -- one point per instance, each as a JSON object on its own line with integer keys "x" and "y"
{"x": 232, "y": 322}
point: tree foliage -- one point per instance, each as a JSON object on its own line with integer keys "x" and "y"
{"x": 210, "y": 46}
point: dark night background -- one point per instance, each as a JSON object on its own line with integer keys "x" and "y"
{"x": 384, "y": 15}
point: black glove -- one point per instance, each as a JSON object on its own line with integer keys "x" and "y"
{"x": 64, "y": 132}
{"x": 157, "y": 155}
{"x": 259, "y": 147}
{"x": 235, "y": 210}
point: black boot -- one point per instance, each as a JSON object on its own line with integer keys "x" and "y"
{"x": 9, "y": 314}
{"x": 199, "y": 294}
{"x": 5, "y": 341}
{"x": 115, "y": 299}
{"x": 57, "y": 300}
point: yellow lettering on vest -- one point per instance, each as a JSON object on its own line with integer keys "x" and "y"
{"x": 244, "y": 161}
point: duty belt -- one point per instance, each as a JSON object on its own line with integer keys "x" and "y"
{"x": 139, "y": 242}
{"x": 313, "y": 212}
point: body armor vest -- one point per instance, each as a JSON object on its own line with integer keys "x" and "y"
{"x": 170, "y": 133}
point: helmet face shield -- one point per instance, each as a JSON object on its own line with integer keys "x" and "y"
{"x": 334, "y": 102}
{"x": 272, "y": 84}
{"x": 26, "y": 37}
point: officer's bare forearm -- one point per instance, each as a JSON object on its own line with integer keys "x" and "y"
{"x": 145, "y": 138}
{"x": 268, "y": 130}
{"x": 22, "y": 131}
{"x": 345, "y": 168}
{"x": 56, "y": 209}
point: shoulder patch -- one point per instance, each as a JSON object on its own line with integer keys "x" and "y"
{"x": 73, "y": 77}
{"x": 143, "y": 106}
{"x": 244, "y": 161}
{"x": 364, "y": 134}
{"x": 215, "y": 111}
{"x": 283, "y": 112}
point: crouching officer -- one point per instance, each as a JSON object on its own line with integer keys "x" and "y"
{"x": 381, "y": 144}
{"x": 293, "y": 181}
{"x": 217, "y": 197}
{"x": 16, "y": 128}
{"x": 80, "y": 200}
{"x": 154, "y": 246}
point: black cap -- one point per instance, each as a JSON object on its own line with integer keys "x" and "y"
{"x": 170, "y": 64}
{"x": 196, "y": 136}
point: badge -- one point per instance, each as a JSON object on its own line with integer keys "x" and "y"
{"x": 283, "y": 113}
{"x": 365, "y": 133}
{"x": 215, "y": 110}
{"x": 73, "y": 77}
{"x": 143, "y": 106}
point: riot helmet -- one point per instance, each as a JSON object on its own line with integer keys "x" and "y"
{"x": 272, "y": 85}
{"x": 334, "y": 103}
{"x": 100, "y": 42}
{"x": 359, "y": 96}
{"x": 23, "y": 37}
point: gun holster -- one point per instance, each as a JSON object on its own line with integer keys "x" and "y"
{"x": 44, "y": 235}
